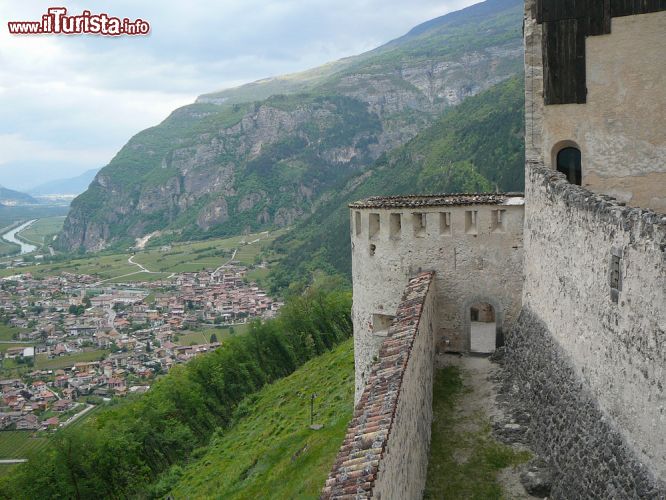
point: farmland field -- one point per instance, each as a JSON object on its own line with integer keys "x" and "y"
{"x": 9, "y": 345}
{"x": 37, "y": 232}
{"x": 7, "y": 248}
{"x": 203, "y": 336}
{"x": 7, "y": 332}
{"x": 179, "y": 257}
{"x": 44, "y": 363}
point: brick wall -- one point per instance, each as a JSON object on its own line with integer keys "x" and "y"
{"x": 385, "y": 451}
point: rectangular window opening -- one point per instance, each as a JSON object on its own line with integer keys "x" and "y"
{"x": 373, "y": 225}
{"x": 381, "y": 324}
{"x": 445, "y": 223}
{"x": 357, "y": 222}
{"x": 615, "y": 277}
{"x": 471, "y": 217}
{"x": 419, "y": 221}
{"x": 395, "y": 225}
{"x": 498, "y": 221}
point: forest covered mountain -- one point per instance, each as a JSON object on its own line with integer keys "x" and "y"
{"x": 270, "y": 153}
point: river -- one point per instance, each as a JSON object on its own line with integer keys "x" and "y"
{"x": 11, "y": 237}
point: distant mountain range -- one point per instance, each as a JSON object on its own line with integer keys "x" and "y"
{"x": 268, "y": 154}
{"x": 70, "y": 186}
{"x": 9, "y": 197}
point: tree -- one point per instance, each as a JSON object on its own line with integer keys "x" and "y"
{"x": 213, "y": 338}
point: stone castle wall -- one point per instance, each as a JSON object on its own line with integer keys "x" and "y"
{"x": 589, "y": 457}
{"x": 385, "y": 452}
{"x": 595, "y": 275}
{"x": 480, "y": 264}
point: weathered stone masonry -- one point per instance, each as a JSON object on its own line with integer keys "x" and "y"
{"x": 616, "y": 339}
{"x": 588, "y": 455}
{"x": 385, "y": 452}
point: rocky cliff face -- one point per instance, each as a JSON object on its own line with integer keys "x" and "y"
{"x": 222, "y": 166}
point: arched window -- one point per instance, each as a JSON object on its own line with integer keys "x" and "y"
{"x": 568, "y": 162}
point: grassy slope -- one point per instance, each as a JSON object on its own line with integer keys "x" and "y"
{"x": 476, "y": 146}
{"x": 271, "y": 448}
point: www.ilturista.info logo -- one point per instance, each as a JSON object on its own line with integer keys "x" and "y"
{"x": 56, "y": 21}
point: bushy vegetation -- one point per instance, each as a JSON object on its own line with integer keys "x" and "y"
{"x": 121, "y": 451}
{"x": 474, "y": 147}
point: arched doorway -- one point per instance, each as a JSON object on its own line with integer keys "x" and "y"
{"x": 569, "y": 163}
{"x": 483, "y": 328}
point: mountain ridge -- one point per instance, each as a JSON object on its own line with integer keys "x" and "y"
{"x": 67, "y": 185}
{"x": 11, "y": 197}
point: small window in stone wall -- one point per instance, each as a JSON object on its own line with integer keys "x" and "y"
{"x": 373, "y": 225}
{"x": 498, "y": 221}
{"x": 395, "y": 225}
{"x": 381, "y": 324}
{"x": 471, "y": 217}
{"x": 445, "y": 223}
{"x": 357, "y": 222}
{"x": 615, "y": 275}
{"x": 373, "y": 249}
{"x": 419, "y": 224}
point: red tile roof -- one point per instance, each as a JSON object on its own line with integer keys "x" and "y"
{"x": 355, "y": 470}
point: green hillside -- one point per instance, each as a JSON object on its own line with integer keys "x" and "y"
{"x": 271, "y": 447}
{"x": 474, "y": 147}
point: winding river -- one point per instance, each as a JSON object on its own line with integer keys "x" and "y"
{"x": 11, "y": 237}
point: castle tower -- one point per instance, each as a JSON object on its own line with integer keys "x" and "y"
{"x": 472, "y": 242}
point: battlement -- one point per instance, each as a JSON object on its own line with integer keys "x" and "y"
{"x": 439, "y": 200}
{"x": 406, "y": 217}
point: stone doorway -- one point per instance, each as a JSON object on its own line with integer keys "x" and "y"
{"x": 483, "y": 328}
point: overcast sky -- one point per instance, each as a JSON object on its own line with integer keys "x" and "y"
{"x": 69, "y": 103}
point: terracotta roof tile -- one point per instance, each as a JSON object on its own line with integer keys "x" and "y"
{"x": 355, "y": 469}
{"x": 436, "y": 200}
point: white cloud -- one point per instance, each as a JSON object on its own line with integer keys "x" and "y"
{"x": 14, "y": 147}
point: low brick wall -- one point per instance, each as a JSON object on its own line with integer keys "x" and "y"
{"x": 385, "y": 452}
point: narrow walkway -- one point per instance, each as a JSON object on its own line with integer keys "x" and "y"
{"x": 466, "y": 462}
